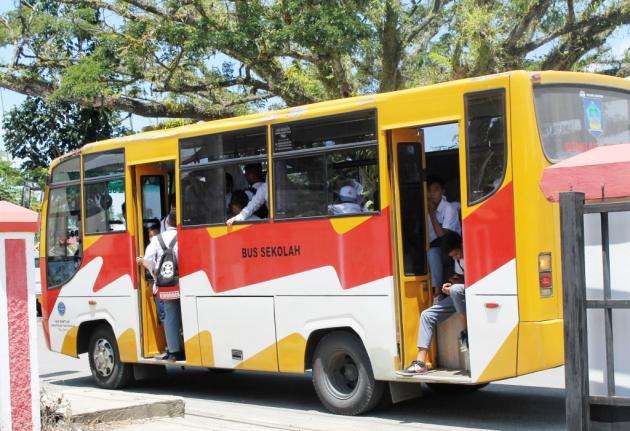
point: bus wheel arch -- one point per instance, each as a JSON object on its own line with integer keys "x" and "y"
{"x": 108, "y": 371}
{"x": 342, "y": 372}
{"x": 85, "y": 332}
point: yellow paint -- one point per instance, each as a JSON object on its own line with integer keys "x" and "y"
{"x": 127, "y": 346}
{"x": 199, "y": 350}
{"x": 540, "y": 346}
{"x": 291, "y": 353}
{"x": 536, "y": 220}
{"x": 346, "y": 224}
{"x": 265, "y": 360}
{"x": 89, "y": 240}
{"x": 206, "y": 350}
{"x": 503, "y": 364}
{"x": 219, "y": 231}
{"x": 69, "y": 346}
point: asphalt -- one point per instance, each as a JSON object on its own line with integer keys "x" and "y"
{"x": 246, "y": 401}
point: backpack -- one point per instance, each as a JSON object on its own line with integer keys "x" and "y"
{"x": 167, "y": 274}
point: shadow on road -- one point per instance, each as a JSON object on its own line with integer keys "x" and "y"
{"x": 501, "y": 407}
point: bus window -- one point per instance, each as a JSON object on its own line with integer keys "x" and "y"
{"x": 575, "y": 118}
{"x": 326, "y": 166}
{"x": 63, "y": 224}
{"x": 104, "y": 192}
{"x": 486, "y": 147}
{"x": 213, "y": 166}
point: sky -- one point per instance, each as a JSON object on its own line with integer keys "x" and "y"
{"x": 619, "y": 41}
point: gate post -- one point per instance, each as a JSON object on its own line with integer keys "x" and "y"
{"x": 574, "y": 304}
{"x": 19, "y": 377}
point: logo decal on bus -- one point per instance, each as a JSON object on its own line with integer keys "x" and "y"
{"x": 61, "y": 308}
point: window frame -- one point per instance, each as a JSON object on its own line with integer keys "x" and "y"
{"x": 223, "y": 163}
{"x": 293, "y": 154}
{"x": 53, "y": 186}
{"x": 503, "y": 92}
{"x": 103, "y": 179}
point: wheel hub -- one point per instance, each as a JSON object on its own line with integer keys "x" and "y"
{"x": 103, "y": 357}
{"x": 342, "y": 375}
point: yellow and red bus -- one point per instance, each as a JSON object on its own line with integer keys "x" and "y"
{"x": 301, "y": 289}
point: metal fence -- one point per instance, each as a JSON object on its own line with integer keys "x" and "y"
{"x": 579, "y": 401}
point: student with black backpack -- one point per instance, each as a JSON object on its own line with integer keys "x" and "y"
{"x": 163, "y": 250}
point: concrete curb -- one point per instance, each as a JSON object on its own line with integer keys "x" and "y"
{"x": 167, "y": 408}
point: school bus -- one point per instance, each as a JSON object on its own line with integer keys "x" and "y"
{"x": 300, "y": 289}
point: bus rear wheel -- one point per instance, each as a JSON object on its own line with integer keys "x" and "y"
{"x": 107, "y": 369}
{"x": 342, "y": 375}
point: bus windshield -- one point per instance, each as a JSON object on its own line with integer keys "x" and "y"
{"x": 575, "y": 118}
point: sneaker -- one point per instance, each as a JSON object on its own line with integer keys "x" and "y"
{"x": 164, "y": 356}
{"x": 176, "y": 356}
{"x": 464, "y": 336}
{"x": 416, "y": 367}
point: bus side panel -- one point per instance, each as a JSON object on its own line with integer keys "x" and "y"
{"x": 491, "y": 300}
{"x": 106, "y": 278}
{"x": 371, "y": 317}
{"x": 327, "y": 258}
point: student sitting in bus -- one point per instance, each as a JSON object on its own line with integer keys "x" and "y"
{"x": 238, "y": 202}
{"x": 455, "y": 302}
{"x": 346, "y": 202}
{"x": 258, "y": 201}
{"x": 443, "y": 216}
{"x": 254, "y": 177}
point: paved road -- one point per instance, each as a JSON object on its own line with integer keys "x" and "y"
{"x": 243, "y": 401}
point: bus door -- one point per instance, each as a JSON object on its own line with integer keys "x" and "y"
{"x": 151, "y": 184}
{"x": 407, "y": 160}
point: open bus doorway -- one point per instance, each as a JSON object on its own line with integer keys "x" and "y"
{"x": 419, "y": 153}
{"x": 154, "y": 195}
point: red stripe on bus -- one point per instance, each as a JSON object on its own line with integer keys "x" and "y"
{"x": 489, "y": 235}
{"x": 268, "y": 251}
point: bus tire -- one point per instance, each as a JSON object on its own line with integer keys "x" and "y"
{"x": 107, "y": 369}
{"x": 454, "y": 388}
{"x": 342, "y": 375}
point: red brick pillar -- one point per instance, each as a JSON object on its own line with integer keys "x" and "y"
{"x": 19, "y": 381}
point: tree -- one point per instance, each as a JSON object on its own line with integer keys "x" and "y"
{"x": 11, "y": 181}
{"x": 39, "y": 131}
{"x": 208, "y": 59}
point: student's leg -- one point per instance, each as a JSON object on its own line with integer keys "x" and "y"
{"x": 458, "y": 294}
{"x": 434, "y": 256}
{"x": 429, "y": 319}
{"x": 172, "y": 325}
{"x": 159, "y": 308}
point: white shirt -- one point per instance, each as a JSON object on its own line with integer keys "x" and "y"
{"x": 154, "y": 251}
{"x": 345, "y": 208}
{"x": 259, "y": 199}
{"x": 447, "y": 217}
{"x": 459, "y": 266}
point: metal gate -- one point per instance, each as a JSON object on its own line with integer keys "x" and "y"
{"x": 612, "y": 410}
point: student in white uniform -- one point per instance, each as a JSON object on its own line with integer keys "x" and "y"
{"x": 443, "y": 217}
{"x": 454, "y": 302}
{"x": 238, "y": 202}
{"x": 347, "y": 202}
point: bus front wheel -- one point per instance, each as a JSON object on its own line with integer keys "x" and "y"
{"x": 342, "y": 375}
{"x": 107, "y": 369}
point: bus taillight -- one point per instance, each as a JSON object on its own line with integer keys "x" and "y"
{"x": 545, "y": 279}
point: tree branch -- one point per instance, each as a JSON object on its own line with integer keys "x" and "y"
{"x": 145, "y": 108}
